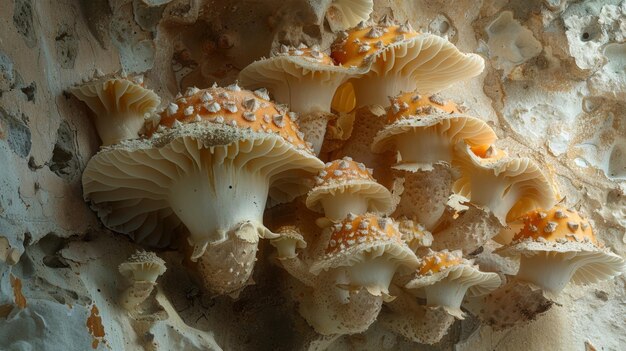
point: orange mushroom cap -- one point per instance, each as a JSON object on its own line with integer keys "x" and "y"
{"x": 438, "y": 261}
{"x": 555, "y": 225}
{"x": 411, "y": 105}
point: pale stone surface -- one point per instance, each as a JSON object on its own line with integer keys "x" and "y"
{"x": 558, "y": 99}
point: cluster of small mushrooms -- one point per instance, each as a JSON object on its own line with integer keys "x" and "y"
{"x": 400, "y": 250}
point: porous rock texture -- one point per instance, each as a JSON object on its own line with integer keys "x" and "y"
{"x": 553, "y": 89}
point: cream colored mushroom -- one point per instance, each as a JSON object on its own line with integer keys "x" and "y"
{"x": 399, "y": 59}
{"x": 445, "y": 278}
{"x": 209, "y": 164}
{"x": 362, "y": 256}
{"x": 558, "y": 246}
{"x": 344, "y": 187}
{"x": 506, "y": 186}
{"x": 142, "y": 269}
{"x": 120, "y": 106}
{"x": 303, "y": 78}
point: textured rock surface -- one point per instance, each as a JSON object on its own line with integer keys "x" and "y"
{"x": 553, "y": 89}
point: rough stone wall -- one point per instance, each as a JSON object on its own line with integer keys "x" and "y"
{"x": 554, "y": 89}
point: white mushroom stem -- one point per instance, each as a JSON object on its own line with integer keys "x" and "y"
{"x": 137, "y": 293}
{"x": 313, "y": 125}
{"x": 338, "y": 206}
{"x": 551, "y": 270}
{"x": 306, "y": 94}
{"x": 216, "y": 199}
{"x": 374, "y": 89}
{"x": 373, "y": 274}
{"x": 423, "y": 147}
{"x": 299, "y": 270}
{"x": 448, "y": 294}
{"x": 116, "y": 127}
{"x": 286, "y": 247}
{"x": 498, "y": 194}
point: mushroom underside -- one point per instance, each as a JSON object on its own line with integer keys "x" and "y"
{"x": 336, "y": 202}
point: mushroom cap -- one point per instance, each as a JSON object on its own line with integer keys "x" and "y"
{"x": 314, "y": 69}
{"x": 128, "y": 184}
{"x": 114, "y": 95}
{"x": 432, "y": 63}
{"x": 346, "y": 175}
{"x": 537, "y": 190}
{"x": 437, "y": 265}
{"x": 562, "y": 230}
{"x": 142, "y": 266}
{"x": 410, "y": 111}
{"x": 358, "y": 46}
{"x": 289, "y": 233}
{"x": 348, "y": 13}
{"x": 360, "y": 238}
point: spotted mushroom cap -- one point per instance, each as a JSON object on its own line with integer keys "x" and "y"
{"x": 359, "y": 238}
{"x": 562, "y": 230}
{"x": 357, "y": 46}
{"x": 414, "y": 234}
{"x": 415, "y": 60}
{"x": 143, "y": 266}
{"x": 291, "y": 233}
{"x": 303, "y": 78}
{"x": 344, "y": 14}
{"x": 437, "y": 265}
{"x": 128, "y": 184}
{"x": 412, "y": 110}
{"x": 346, "y": 175}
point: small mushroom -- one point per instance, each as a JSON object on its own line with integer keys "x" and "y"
{"x": 306, "y": 80}
{"x": 120, "y": 106}
{"x": 508, "y": 187}
{"x": 345, "y": 186}
{"x": 142, "y": 269}
{"x": 398, "y": 59}
{"x": 287, "y": 242}
{"x": 353, "y": 276}
{"x": 213, "y": 176}
{"x": 558, "y": 246}
{"x": 445, "y": 277}
{"x": 423, "y": 130}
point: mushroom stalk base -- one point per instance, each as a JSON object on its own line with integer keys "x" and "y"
{"x": 447, "y": 294}
{"x": 136, "y": 294}
{"x": 299, "y": 270}
{"x": 373, "y": 274}
{"x": 494, "y": 193}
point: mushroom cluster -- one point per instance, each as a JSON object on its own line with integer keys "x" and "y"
{"x": 390, "y": 228}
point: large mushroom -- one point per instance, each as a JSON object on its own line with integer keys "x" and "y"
{"x": 558, "y": 246}
{"x": 345, "y": 186}
{"x": 303, "y": 78}
{"x": 120, "y": 105}
{"x": 353, "y": 277}
{"x": 445, "y": 277}
{"x": 422, "y": 130}
{"x": 506, "y": 186}
{"x": 210, "y": 163}
{"x": 398, "y": 59}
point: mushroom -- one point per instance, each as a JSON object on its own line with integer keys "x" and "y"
{"x": 558, "y": 246}
{"x": 142, "y": 269}
{"x": 423, "y": 130}
{"x": 506, "y": 186}
{"x": 210, "y": 162}
{"x": 345, "y": 186}
{"x": 398, "y": 59}
{"x": 120, "y": 106}
{"x": 286, "y": 244}
{"x": 445, "y": 277}
{"x": 353, "y": 276}
{"x": 344, "y": 14}
{"x": 303, "y": 78}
